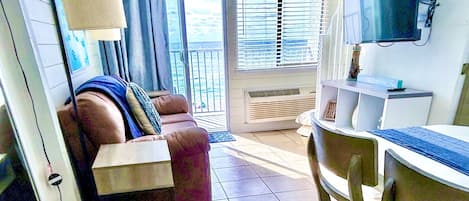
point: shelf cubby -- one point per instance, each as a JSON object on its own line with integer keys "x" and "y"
{"x": 370, "y": 112}
{"x": 327, "y": 94}
{"x": 346, "y": 103}
{"x": 377, "y": 108}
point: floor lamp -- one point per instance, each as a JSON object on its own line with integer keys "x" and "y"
{"x": 103, "y": 19}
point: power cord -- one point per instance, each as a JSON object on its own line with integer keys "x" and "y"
{"x": 426, "y": 40}
{"x": 432, "y": 4}
{"x": 54, "y": 178}
{"x": 381, "y": 45}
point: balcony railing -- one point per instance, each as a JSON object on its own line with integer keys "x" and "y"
{"x": 207, "y": 74}
{"x": 207, "y": 77}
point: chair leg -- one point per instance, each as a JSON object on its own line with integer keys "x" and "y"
{"x": 354, "y": 178}
{"x": 389, "y": 190}
{"x": 323, "y": 195}
{"x": 314, "y": 165}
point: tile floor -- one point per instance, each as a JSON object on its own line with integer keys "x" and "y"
{"x": 262, "y": 166}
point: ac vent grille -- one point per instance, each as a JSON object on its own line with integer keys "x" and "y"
{"x": 270, "y": 93}
{"x": 278, "y": 105}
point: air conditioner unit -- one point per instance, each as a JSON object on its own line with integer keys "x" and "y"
{"x": 278, "y": 104}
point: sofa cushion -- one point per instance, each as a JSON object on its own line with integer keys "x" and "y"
{"x": 101, "y": 119}
{"x": 174, "y": 118}
{"x": 170, "y": 128}
{"x": 171, "y": 104}
{"x": 143, "y": 109}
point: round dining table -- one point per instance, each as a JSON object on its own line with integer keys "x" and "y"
{"x": 422, "y": 162}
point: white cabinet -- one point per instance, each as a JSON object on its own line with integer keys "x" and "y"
{"x": 376, "y": 107}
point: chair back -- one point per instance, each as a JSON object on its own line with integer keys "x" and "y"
{"x": 353, "y": 158}
{"x": 405, "y": 182}
{"x": 335, "y": 150}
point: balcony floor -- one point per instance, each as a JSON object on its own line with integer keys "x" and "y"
{"x": 212, "y": 122}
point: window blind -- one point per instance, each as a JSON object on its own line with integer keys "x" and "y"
{"x": 275, "y": 34}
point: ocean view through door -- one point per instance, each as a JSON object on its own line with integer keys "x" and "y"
{"x": 197, "y": 58}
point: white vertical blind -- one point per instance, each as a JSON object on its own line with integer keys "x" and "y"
{"x": 278, "y": 33}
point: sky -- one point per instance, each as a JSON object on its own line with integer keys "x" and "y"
{"x": 203, "y": 19}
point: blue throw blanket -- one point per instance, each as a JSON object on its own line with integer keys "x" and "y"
{"x": 447, "y": 150}
{"x": 115, "y": 88}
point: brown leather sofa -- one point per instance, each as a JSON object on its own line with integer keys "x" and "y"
{"x": 103, "y": 123}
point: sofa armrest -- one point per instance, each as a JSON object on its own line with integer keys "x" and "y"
{"x": 171, "y": 104}
{"x": 182, "y": 143}
{"x": 155, "y": 94}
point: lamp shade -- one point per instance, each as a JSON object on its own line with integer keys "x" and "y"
{"x": 94, "y": 14}
{"x": 105, "y": 34}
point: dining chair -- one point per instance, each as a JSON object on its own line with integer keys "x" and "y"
{"x": 352, "y": 158}
{"x": 404, "y": 182}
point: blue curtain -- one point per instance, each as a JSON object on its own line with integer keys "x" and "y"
{"x": 142, "y": 56}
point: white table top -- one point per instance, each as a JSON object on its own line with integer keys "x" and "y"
{"x": 424, "y": 163}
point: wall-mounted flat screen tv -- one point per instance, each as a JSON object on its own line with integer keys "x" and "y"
{"x": 371, "y": 21}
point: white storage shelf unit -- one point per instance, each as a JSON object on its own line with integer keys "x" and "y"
{"x": 376, "y": 107}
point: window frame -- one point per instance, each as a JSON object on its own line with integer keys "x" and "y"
{"x": 232, "y": 43}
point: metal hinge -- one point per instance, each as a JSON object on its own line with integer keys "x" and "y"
{"x": 465, "y": 67}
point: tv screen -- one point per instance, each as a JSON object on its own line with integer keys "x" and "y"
{"x": 368, "y": 21}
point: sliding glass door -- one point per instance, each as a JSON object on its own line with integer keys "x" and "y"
{"x": 178, "y": 48}
{"x": 197, "y": 58}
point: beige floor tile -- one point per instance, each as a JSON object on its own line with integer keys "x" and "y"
{"x": 301, "y": 166}
{"x": 274, "y": 139}
{"x": 297, "y": 138}
{"x": 258, "y": 163}
{"x": 288, "y": 131}
{"x": 223, "y": 152}
{"x": 213, "y": 176}
{"x": 268, "y": 197}
{"x": 290, "y": 147}
{"x": 242, "y": 140}
{"x": 264, "y": 133}
{"x": 220, "y": 145}
{"x": 291, "y": 156}
{"x": 243, "y": 188}
{"x": 253, "y": 149}
{"x": 262, "y": 158}
{"x": 226, "y": 162}
{"x": 244, "y": 135}
{"x": 217, "y": 192}
{"x": 291, "y": 151}
{"x": 306, "y": 195}
{"x": 235, "y": 173}
{"x": 288, "y": 183}
{"x": 268, "y": 170}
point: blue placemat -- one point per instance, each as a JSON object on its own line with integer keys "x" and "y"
{"x": 447, "y": 150}
{"x": 223, "y": 136}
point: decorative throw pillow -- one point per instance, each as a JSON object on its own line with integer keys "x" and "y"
{"x": 143, "y": 109}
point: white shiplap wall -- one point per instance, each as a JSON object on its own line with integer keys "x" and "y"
{"x": 27, "y": 89}
{"x": 45, "y": 32}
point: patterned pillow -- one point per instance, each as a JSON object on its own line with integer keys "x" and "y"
{"x": 143, "y": 109}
